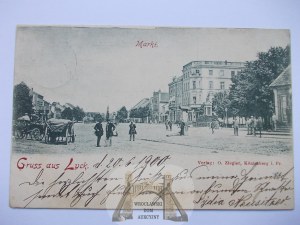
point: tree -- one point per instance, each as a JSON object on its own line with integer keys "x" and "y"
{"x": 22, "y": 100}
{"x": 250, "y": 94}
{"x": 98, "y": 117}
{"x": 141, "y": 112}
{"x": 220, "y": 103}
{"x": 78, "y": 113}
{"x": 122, "y": 114}
{"x": 67, "y": 114}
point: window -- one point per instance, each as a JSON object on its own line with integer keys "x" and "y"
{"x": 222, "y": 85}
{"x": 211, "y": 85}
{"x": 197, "y": 71}
{"x": 208, "y": 111}
{"x": 194, "y": 100}
{"x": 221, "y": 72}
{"x": 210, "y": 72}
{"x": 194, "y": 84}
{"x": 232, "y": 73}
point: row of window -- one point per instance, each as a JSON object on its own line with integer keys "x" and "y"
{"x": 186, "y": 99}
{"x": 210, "y": 72}
{"x": 186, "y": 86}
{"x": 222, "y": 85}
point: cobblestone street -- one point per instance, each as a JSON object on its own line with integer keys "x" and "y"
{"x": 154, "y": 139}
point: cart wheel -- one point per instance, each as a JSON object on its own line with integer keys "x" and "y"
{"x": 19, "y": 134}
{"x": 35, "y": 134}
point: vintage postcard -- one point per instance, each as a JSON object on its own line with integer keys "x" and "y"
{"x": 150, "y": 118}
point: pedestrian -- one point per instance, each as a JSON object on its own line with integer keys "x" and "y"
{"x": 115, "y": 132}
{"x": 254, "y": 126}
{"x": 166, "y": 124}
{"x": 170, "y": 125}
{"x": 248, "y": 126}
{"x": 251, "y": 125}
{"x": 236, "y": 127}
{"x": 109, "y": 129}
{"x": 98, "y": 132}
{"x": 182, "y": 125}
{"x": 132, "y": 131}
{"x": 259, "y": 125}
{"x": 212, "y": 127}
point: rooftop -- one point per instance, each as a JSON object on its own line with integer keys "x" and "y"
{"x": 283, "y": 79}
{"x": 214, "y": 63}
{"x": 143, "y": 103}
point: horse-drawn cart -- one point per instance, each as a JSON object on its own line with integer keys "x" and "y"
{"x": 24, "y": 127}
{"x": 59, "y": 130}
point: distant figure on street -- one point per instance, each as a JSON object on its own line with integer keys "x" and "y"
{"x": 213, "y": 126}
{"x": 236, "y": 127}
{"x": 182, "y": 125}
{"x": 259, "y": 125}
{"x": 98, "y": 132}
{"x": 170, "y": 125}
{"x": 274, "y": 122}
{"x": 254, "y": 126}
{"x": 166, "y": 124}
{"x": 109, "y": 129}
{"x": 251, "y": 125}
{"x": 248, "y": 126}
{"x": 115, "y": 132}
{"x": 132, "y": 131}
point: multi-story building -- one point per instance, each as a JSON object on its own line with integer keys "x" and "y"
{"x": 159, "y": 99}
{"x": 55, "y": 110}
{"x": 37, "y": 102}
{"x": 200, "y": 80}
{"x": 175, "y": 99}
{"x": 40, "y": 106}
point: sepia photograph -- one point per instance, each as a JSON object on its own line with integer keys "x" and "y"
{"x": 171, "y": 118}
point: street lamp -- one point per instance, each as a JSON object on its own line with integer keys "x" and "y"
{"x": 226, "y": 116}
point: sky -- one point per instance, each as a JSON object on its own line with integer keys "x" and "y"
{"x": 96, "y": 67}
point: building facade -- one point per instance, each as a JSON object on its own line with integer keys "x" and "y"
{"x": 159, "y": 99}
{"x": 199, "y": 82}
{"x": 40, "y": 106}
{"x": 282, "y": 89}
{"x": 141, "y": 111}
{"x": 175, "y": 99}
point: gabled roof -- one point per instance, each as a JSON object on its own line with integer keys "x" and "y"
{"x": 143, "y": 103}
{"x": 69, "y": 105}
{"x": 283, "y": 79}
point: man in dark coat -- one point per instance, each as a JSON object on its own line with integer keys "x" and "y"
{"x": 259, "y": 125}
{"x": 109, "y": 129}
{"x": 170, "y": 125}
{"x": 236, "y": 127}
{"x": 182, "y": 125}
{"x": 132, "y": 131}
{"x": 98, "y": 132}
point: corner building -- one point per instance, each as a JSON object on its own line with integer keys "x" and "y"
{"x": 195, "y": 88}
